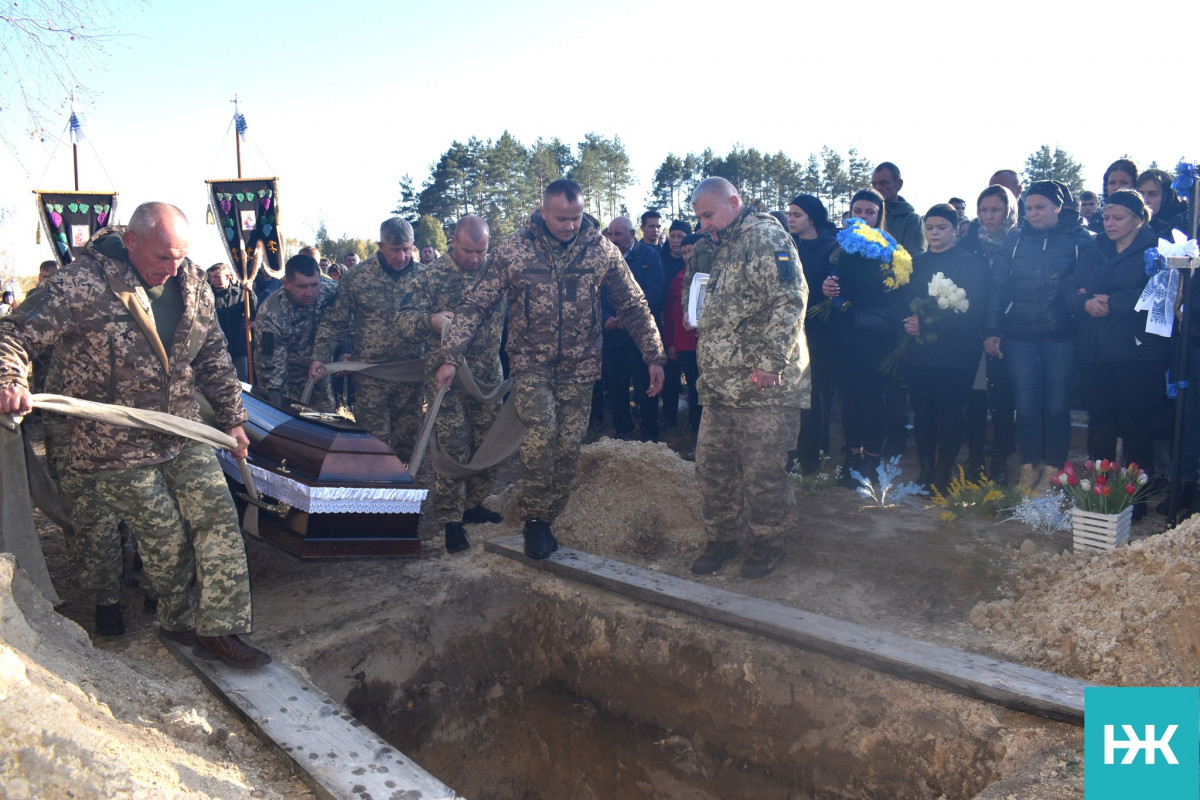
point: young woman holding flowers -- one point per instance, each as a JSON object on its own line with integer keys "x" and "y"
{"x": 996, "y": 220}
{"x": 943, "y": 307}
{"x": 816, "y": 242}
{"x": 1029, "y": 325}
{"x": 1122, "y": 367}
{"x": 865, "y": 330}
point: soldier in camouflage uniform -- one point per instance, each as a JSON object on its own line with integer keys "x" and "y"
{"x": 133, "y": 322}
{"x": 552, "y": 274}
{"x": 463, "y": 421}
{"x": 383, "y": 305}
{"x": 754, "y": 376}
{"x": 285, "y": 329}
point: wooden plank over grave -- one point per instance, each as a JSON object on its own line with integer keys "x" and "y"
{"x": 332, "y": 752}
{"x": 1000, "y": 682}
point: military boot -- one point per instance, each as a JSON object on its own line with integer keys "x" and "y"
{"x": 539, "y": 541}
{"x": 456, "y": 538}
{"x": 714, "y": 557}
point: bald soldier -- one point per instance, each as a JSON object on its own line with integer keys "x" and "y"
{"x": 463, "y": 422}
{"x": 754, "y": 377}
{"x": 552, "y": 274}
{"x": 133, "y": 323}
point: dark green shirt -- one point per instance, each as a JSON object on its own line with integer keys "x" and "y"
{"x": 166, "y": 303}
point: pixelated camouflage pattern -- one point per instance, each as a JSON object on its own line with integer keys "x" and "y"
{"x": 462, "y": 422}
{"x": 553, "y": 296}
{"x": 387, "y": 318}
{"x": 392, "y": 412}
{"x": 556, "y": 415}
{"x": 446, "y": 283}
{"x": 753, "y": 315}
{"x": 288, "y": 330}
{"x": 108, "y": 356}
{"x": 740, "y": 466}
{"x": 93, "y": 539}
{"x": 189, "y": 537}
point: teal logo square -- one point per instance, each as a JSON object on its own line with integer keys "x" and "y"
{"x": 1140, "y": 742}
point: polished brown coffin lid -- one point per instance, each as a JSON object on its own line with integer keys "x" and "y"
{"x": 317, "y": 448}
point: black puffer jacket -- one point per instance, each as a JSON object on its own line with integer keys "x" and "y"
{"x": 1121, "y": 335}
{"x": 1028, "y": 278}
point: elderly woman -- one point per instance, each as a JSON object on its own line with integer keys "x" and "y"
{"x": 1030, "y": 326}
{"x": 1122, "y": 367}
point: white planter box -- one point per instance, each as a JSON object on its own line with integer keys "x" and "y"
{"x": 1092, "y": 531}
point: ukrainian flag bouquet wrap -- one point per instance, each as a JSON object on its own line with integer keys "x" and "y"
{"x": 870, "y": 263}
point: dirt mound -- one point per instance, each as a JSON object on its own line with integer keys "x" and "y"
{"x": 628, "y": 497}
{"x": 1129, "y": 618}
{"x": 80, "y": 722}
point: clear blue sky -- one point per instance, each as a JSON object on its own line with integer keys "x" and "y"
{"x": 343, "y": 99}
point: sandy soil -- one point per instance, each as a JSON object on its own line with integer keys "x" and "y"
{"x": 121, "y": 718}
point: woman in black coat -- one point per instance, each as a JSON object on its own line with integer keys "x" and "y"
{"x": 816, "y": 242}
{"x": 1122, "y": 367}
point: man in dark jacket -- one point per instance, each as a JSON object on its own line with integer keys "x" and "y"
{"x": 623, "y": 362}
{"x": 231, "y": 314}
{"x": 900, "y": 219}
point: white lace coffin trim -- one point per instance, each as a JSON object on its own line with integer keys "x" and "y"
{"x": 328, "y": 499}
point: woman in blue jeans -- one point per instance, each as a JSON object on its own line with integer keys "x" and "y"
{"x": 1030, "y": 326}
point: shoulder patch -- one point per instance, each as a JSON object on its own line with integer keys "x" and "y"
{"x": 786, "y": 266}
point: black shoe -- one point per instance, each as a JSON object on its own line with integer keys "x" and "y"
{"x": 456, "y": 538}
{"x": 1139, "y": 512}
{"x": 109, "y": 621}
{"x": 714, "y": 557}
{"x": 231, "y": 650}
{"x": 854, "y": 461}
{"x": 480, "y": 515}
{"x": 539, "y": 542}
{"x": 187, "y": 637}
{"x": 762, "y": 561}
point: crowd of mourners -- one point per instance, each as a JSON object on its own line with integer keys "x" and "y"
{"x": 1051, "y": 282}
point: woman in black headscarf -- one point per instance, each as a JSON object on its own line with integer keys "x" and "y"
{"x": 816, "y": 241}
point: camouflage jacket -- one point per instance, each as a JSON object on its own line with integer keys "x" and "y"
{"x": 446, "y": 283}
{"x": 553, "y": 294}
{"x": 284, "y": 333}
{"x": 387, "y": 318}
{"x": 753, "y": 315}
{"x": 97, "y": 316}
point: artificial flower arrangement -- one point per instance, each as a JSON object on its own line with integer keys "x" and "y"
{"x": 943, "y": 296}
{"x": 1105, "y": 487}
{"x": 867, "y": 255}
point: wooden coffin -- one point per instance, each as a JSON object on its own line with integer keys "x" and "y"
{"x": 346, "y": 492}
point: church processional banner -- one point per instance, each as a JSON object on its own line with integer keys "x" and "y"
{"x": 70, "y": 218}
{"x": 247, "y": 214}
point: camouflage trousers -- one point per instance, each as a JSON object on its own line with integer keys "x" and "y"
{"x": 94, "y": 542}
{"x": 190, "y": 539}
{"x": 741, "y": 455}
{"x": 460, "y": 426}
{"x": 390, "y": 411}
{"x": 556, "y": 415}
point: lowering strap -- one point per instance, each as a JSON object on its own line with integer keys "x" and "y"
{"x": 502, "y": 439}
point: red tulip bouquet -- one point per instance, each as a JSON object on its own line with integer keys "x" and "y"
{"x": 1104, "y": 487}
